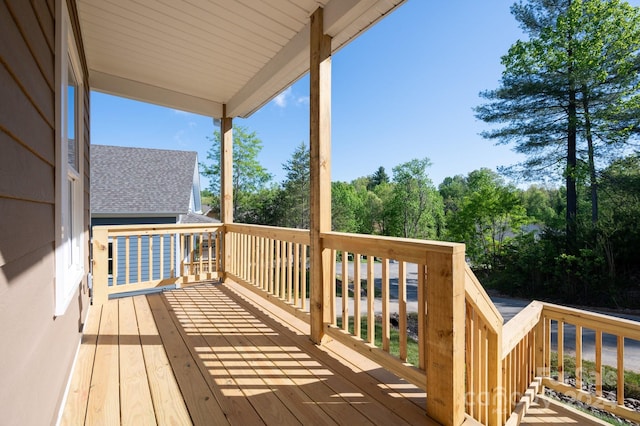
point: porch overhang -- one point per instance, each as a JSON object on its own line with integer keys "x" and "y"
{"x": 199, "y": 55}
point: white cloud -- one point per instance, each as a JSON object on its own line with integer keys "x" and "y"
{"x": 302, "y": 100}
{"x": 282, "y": 99}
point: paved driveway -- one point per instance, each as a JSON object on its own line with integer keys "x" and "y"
{"x": 508, "y": 308}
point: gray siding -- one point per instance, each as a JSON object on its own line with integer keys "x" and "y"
{"x": 36, "y": 349}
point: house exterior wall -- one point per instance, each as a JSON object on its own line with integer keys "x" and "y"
{"x": 37, "y": 349}
{"x": 120, "y": 261}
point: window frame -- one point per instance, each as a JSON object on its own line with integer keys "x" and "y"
{"x": 69, "y": 180}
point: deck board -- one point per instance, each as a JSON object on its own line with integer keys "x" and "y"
{"x": 168, "y": 403}
{"x": 76, "y": 404}
{"x": 201, "y": 403}
{"x": 136, "y": 406}
{"x": 104, "y": 396}
{"x": 219, "y": 354}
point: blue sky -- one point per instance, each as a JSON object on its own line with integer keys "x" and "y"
{"x": 405, "y": 89}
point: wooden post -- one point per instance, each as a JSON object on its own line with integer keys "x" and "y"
{"x": 494, "y": 377}
{"x": 444, "y": 344}
{"x": 100, "y": 267}
{"x": 226, "y": 187}
{"x": 320, "y": 169}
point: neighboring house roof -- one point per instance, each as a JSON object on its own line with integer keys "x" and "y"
{"x": 196, "y": 218}
{"x": 140, "y": 181}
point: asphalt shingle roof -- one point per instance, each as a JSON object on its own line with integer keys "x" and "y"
{"x": 139, "y": 180}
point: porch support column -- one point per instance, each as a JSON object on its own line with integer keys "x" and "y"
{"x": 320, "y": 169}
{"x": 444, "y": 345}
{"x": 226, "y": 186}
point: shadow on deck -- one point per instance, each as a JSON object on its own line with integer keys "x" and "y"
{"x": 216, "y": 354}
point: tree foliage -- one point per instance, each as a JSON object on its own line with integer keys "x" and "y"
{"x": 569, "y": 94}
{"x": 248, "y": 177}
{"x": 293, "y": 202}
{"x": 417, "y": 205}
{"x": 489, "y": 213}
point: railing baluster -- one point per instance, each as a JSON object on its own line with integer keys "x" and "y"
{"x": 127, "y": 259}
{"x": 296, "y": 275}
{"x": 277, "y": 271}
{"x": 422, "y": 311}
{"x": 332, "y": 289}
{"x": 161, "y": 261}
{"x": 305, "y": 281}
{"x": 357, "y": 310}
{"x": 114, "y": 261}
{"x": 620, "y": 382}
{"x": 345, "y": 290}
{"x": 371, "y": 325}
{"x": 578, "y": 356}
{"x": 560, "y": 351}
{"x": 598, "y": 362}
{"x": 402, "y": 308}
{"x": 283, "y": 269}
{"x": 290, "y": 273}
{"x": 385, "y": 305}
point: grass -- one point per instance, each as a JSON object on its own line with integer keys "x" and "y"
{"x": 394, "y": 339}
{"x": 609, "y": 375}
{"x": 363, "y": 285}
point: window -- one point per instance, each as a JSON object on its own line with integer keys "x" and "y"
{"x": 69, "y": 167}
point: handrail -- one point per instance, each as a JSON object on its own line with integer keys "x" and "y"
{"x": 149, "y": 256}
{"x": 481, "y": 302}
{"x": 520, "y": 326}
{"x": 300, "y": 236}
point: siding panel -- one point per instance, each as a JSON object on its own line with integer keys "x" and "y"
{"x": 25, "y": 227}
{"x": 46, "y": 21}
{"x": 23, "y": 120}
{"x": 35, "y": 39}
{"x": 23, "y": 175}
{"x": 16, "y": 54}
{"x": 38, "y": 348}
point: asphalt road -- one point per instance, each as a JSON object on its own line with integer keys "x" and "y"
{"x": 508, "y": 308}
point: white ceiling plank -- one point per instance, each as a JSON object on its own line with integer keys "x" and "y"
{"x": 291, "y": 53}
{"x": 200, "y": 54}
{"x": 156, "y": 95}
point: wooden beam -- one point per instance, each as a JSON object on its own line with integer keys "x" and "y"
{"x": 320, "y": 169}
{"x": 289, "y": 64}
{"x": 114, "y": 85}
{"x": 445, "y": 337}
{"x": 226, "y": 187}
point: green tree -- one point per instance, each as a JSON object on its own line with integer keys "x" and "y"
{"x": 489, "y": 214}
{"x": 565, "y": 93}
{"x": 248, "y": 177}
{"x": 417, "y": 207}
{"x": 453, "y": 190}
{"x": 294, "y": 198}
{"x": 380, "y": 176}
{"x": 346, "y": 208}
{"x": 543, "y": 205}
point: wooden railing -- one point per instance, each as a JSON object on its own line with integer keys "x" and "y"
{"x": 274, "y": 261}
{"x": 583, "y": 322}
{"x": 507, "y": 365}
{"x": 487, "y": 371}
{"x": 484, "y": 397}
{"x": 138, "y": 257}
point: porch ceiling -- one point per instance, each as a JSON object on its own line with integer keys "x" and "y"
{"x": 198, "y": 55}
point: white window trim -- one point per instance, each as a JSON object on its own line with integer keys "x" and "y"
{"x": 68, "y": 277}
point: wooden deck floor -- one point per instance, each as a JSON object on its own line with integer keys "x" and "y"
{"x": 219, "y": 354}
{"x": 546, "y": 411}
{"x": 215, "y": 354}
